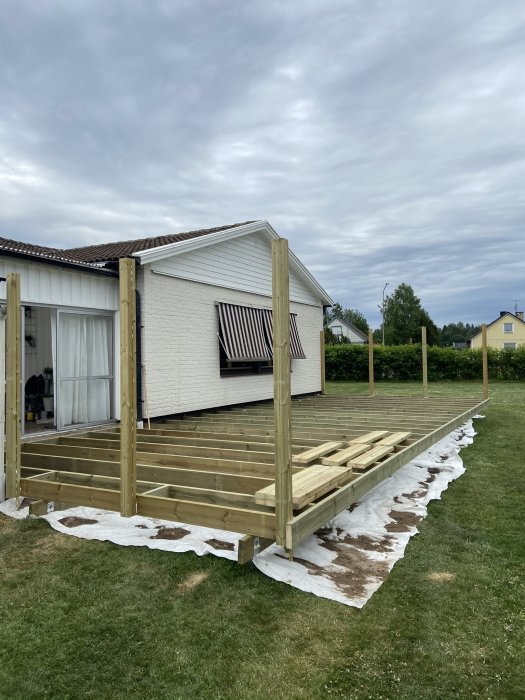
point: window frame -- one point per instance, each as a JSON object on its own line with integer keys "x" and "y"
{"x": 508, "y": 323}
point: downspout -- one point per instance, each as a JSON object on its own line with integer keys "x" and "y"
{"x": 139, "y": 357}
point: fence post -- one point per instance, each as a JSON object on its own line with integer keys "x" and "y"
{"x": 485, "y": 361}
{"x": 13, "y": 397}
{"x": 424, "y": 359}
{"x": 128, "y": 388}
{"x": 281, "y": 388}
{"x": 371, "y": 387}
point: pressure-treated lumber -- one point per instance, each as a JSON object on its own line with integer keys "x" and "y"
{"x": 394, "y": 439}
{"x": 316, "y": 452}
{"x": 281, "y": 388}
{"x": 250, "y": 546}
{"x": 13, "y": 399}
{"x": 485, "y": 361}
{"x": 368, "y": 458}
{"x": 307, "y": 522}
{"x": 424, "y": 360}
{"x": 345, "y": 455}
{"x": 370, "y": 437}
{"x": 128, "y": 388}
{"x": 371, "y": 387}
{"x": 307, "y": 485}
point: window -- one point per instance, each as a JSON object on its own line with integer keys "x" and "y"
{"x": 509, "y": 346}
{"x": 337, "y": 330}
{"x": 246, "y": 339}
{"x": 508, "y": 328}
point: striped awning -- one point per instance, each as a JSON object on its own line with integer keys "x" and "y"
{"x": 246, "y": 333}
{"x": 241, "y": 332}
{"x": 296, "y": 349}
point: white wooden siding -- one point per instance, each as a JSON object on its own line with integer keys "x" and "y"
{"x": 244, "y": 264}
{"x": 181, "y": 348}
{"x": 62, "y": 287}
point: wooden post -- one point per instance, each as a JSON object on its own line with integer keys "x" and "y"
{"x": 485, "y": 361}
{"x": 371, "y": 387}
{"x": 281, "y": 388}
{"x": 128, "y": 389}
{"x": 425, "y": 362}
{"x": 323, "y": 370}
{"x": 13, "y": 398}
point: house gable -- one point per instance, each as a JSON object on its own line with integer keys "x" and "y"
{"x": 242, "y": 263}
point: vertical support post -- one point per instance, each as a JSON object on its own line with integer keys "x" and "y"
{"x": 13, "y": 362}
{"x": 281, "y": 388}
{"x": 485, "y": 361}
{"x": 128, "y": 389}
{"x": 323, "y": 369}
{"x": 2, "y": 403}
{"x": 425, "y": 361}
{"x": 371, "y": 387}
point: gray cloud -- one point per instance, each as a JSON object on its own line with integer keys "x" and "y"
{"x": 384, "y": 139}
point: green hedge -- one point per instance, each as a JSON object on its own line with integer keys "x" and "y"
{"x": 350, "y": 362}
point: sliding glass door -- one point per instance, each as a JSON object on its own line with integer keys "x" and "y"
{"x": 84, "y": 365}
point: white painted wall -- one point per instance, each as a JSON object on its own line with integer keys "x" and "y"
{"x": 56, "y": 286}
{"x": 181, "y": 348}
{"x": 244, "y": 264}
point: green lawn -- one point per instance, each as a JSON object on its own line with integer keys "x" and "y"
{"x": 82, "y": 619}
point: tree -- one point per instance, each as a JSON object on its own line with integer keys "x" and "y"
{"x": 457, "y": 333}
{"x": 353, "y": 316}
{"x": 404, "y": 317}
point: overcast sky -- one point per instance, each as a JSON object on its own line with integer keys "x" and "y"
{"x": 384, "y": 139}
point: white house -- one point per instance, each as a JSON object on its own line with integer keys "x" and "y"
{"x": 344, "y": 329}
{"x": 205, "y": 324}
{"x": 206, "y": 333}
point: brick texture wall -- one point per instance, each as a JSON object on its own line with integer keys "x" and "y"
{"x": 181, "y": 351}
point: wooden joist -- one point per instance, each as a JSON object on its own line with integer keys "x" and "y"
{"x": 307, "y": 485}
{"x": 316, "y": 452}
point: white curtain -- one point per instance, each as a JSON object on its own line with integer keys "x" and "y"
{"x": 84, "y": 366}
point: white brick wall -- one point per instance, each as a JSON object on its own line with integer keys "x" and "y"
{"x": 181, "y": 352}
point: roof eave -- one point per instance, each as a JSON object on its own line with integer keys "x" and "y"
{"x": 153, "y": 254}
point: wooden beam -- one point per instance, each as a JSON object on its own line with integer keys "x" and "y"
{"x": 424, "y": 360}
{"x": 323, "y": 363}
{"x": 281, "y": 388}
{"x": 485, "y": 361}
{"x": 315, "y": 517}
{"x": 13, "y": 398}
{"x": 371, "y": 387}
{"x": 128, "y": 389}
{"x": 250, "y": 546}
{"x": 251, "y": 522}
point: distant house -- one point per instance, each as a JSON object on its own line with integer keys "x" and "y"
{"x": 507, "y": 331}
{"x": 459, "y": 345}
{"x": 343, "y": 329}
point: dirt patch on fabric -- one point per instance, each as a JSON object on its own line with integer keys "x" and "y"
{"x": 73, "y": 521}
{"x": 441, "y": 576}
{"x": 403, "y": 521}
{"x": 170, "y": 533}
{"x": 219, "y": 544}
{"x": 142, "y": 527}
{"x": 351, "y": 570}
{"x": 418, "y": 493}
{"x": 192, "y": 581}
{"x": 430, "y": 479}
{"x": 369, "y": 544}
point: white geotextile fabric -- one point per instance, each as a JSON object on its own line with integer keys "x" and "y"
{"x": 347, "y": 561}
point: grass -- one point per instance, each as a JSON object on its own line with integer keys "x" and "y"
{"x": 82, "y": 619}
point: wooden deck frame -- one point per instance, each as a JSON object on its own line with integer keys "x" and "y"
{"x": 219, "y": 492}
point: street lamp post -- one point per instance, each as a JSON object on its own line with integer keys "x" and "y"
{"x": 383, "y": 311}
